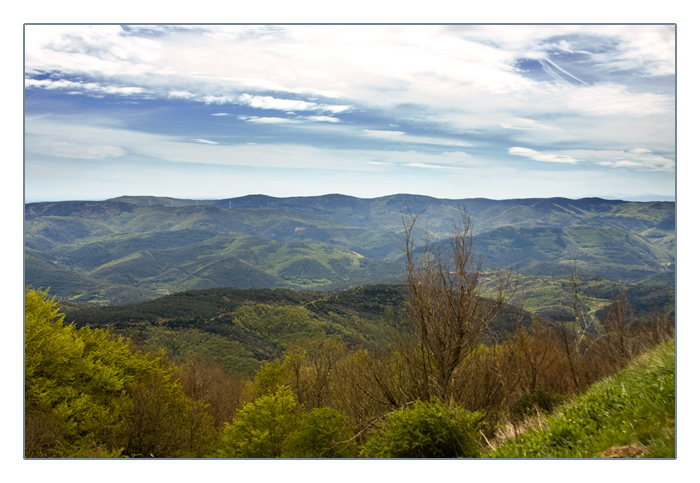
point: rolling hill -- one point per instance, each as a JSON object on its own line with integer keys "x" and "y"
{"x": 131, "y": 249}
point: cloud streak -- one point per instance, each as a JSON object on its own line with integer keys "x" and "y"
{"x": 542, "y": 157}
{"x": 633, "y": 158}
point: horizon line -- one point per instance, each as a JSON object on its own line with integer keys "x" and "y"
{"x": 631, "y": 198}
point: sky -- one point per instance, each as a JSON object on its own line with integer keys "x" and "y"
{"x": 452, "y": 111}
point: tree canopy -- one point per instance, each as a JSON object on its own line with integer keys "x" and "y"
{"x": 88, "y": 394}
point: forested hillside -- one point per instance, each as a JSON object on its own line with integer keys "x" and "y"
{"x": 243, "y": 329}
{"x": 137, "y": 248}
{"x": 218, "y": 373}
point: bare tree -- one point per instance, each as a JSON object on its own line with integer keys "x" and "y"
{"x": 448, "y": 310}
{"x": 578, "y": 336}
{"x": 536, "y": 346}
{"x": 618, "y": 326}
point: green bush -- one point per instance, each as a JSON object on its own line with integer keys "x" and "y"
{"x": 274, "y": 426}
{"x": 426, "y": 430}
{"x": 260, "y": 428}
{"x": 322, "y": 433}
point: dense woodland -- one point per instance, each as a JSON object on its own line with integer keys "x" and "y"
{"x": 440, "y": 366}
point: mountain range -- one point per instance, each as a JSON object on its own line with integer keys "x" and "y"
{"x": 136, "y": 248}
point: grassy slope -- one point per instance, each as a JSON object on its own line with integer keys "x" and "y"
{"x": 636, "y": 407}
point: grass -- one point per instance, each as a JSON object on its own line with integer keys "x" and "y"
{"x": 633, "y": 410}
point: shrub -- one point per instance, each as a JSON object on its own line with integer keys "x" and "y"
{"x": 426, "y": 430}
{"x": 260, "y": 427}
{"x": 320, "y": 435}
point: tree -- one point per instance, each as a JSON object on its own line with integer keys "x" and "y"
{"x": 447, "y": 309}
{"x": 88, "y": 394}
{"x": 311, "y": 368}
{"x": 535, "y": 347}
{"x": 260, "y": 428}
{"x": 222, "y": 391}
{"x": 577, "y": 336}
{"x": 618, "y": 325}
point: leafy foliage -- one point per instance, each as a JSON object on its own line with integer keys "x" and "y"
{"x": 241, "y": 329}
{"x": 88, "y": 394}
{"x": 426, "y": 430}
{"x": 322, "y": 433}
{"x": 260, "y": 428}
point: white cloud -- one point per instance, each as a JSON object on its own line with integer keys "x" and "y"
{"x": 45, "y": 135}
{"x": 180, "y": 95}
{"x": 88, "y": 88}
{"x": 640, "y": 158}
{"x": 539, "y": 156}
{"x": 220, "y": 99}
{"x": 267, "y": 102}
{"x": 383, "y": 134}
{"x": 525, "y": 124}
{"x": 620, "y": 164}
{"x": 401, "y": 136}
{"x": 323, "y": 118}
{"x": 650, "y": 51}
{"x": 173, "y": 162}
{"x": 268, "y": 120}
{"x": 334, "y": 109}
{"x": 647, "y": 49}
{"x": 466, "y": 85}
{"x": 75, "y": 150}
{"x": 432, "y": 166}
{"x": 607, "y": 99}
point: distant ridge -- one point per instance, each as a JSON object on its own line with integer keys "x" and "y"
{"x": 641, "y": 198}
{"x": 334, "y": 200}
{"x": 260, "y": 197}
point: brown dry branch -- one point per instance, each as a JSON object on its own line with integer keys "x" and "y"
{"x": 448, "y": 313}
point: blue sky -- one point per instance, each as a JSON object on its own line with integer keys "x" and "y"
{"x": 452, "y": 111}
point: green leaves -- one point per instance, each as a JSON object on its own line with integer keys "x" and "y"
{"x": 88, "y": 394}
{"x": 260, "y": 427}
{"x": 322, "y": 433}
{"x": 274, "y": 426}
{"x": 426, "y": 430}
